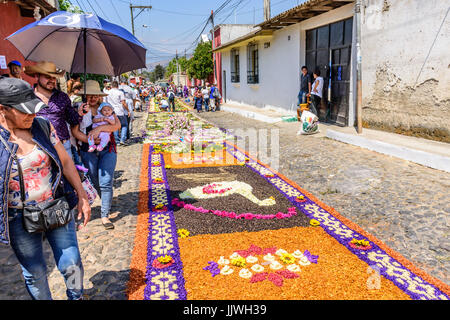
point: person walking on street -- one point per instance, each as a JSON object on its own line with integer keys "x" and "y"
{"x": 205, "y": 93}
{"x": 101, "y": 164}
{"x": 171, "y": 96}
{"x": 50, "y": 173}
{"x": 129, "y": 99}
{"x": 212, "y": 100}
{"x": 15, "y": 69}
{"x": 60, "y": 111}
{"x": 316, "y": 92}
{"x": 199, "y": 100}
{"x": 116, "y": 98}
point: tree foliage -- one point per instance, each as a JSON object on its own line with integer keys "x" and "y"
{"x": 172, "y": 67}
{"x": 65, "y": 5}
{"x": 201, "y": 64}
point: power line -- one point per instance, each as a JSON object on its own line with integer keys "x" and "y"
{"x": 101, "y": 9}
{"x": 118, "y": 15}
{"x": 92, "y": 7}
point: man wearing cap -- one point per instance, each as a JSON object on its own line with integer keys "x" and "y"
{"x": 32, "y": 142}
{"x": 60, "y": 111}
{"x": 15, "y": 69}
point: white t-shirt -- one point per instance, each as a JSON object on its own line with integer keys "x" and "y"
{"x": 205, "y": 93}
{"x": 318, "y": 91}
{"x": 115, "y": 98}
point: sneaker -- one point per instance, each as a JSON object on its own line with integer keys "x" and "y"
{"x": 123, "y": 144}
{"x": 92, "y": 149}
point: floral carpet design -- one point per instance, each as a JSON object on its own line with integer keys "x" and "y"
{"x": 241, "y": 230}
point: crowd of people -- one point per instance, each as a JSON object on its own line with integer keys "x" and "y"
{"x": 48, "y": 138}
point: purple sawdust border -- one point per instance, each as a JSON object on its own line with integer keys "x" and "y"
{"x": 177, "y": 266}
{"x": 362, "y": 255}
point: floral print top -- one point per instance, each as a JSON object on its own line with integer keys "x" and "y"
{"x": 37, "y": 176}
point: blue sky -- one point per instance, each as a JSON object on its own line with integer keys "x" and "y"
{"x": 176, "y": 24}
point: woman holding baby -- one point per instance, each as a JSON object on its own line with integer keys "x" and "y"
{"x": 98, "y": 148}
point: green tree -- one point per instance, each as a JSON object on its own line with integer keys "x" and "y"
{"x": 172, "y": 67}
{"x": 159, "y": 72}
{"x": 201, "y": 65}
{"x": 65, "y": 5}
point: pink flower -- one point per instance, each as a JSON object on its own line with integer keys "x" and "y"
{"x": 279, "y": 215}
{"x": 232, "y": 215}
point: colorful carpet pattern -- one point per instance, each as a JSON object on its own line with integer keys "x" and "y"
{"x": 239, "y": 230}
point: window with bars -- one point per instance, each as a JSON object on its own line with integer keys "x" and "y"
{"x": 235, "y": 65}
{"x": 252, "y": 63}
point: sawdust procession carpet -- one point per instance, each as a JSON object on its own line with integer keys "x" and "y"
{"x": 231, "y": 230}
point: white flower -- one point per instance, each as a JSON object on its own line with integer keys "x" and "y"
{"x": 269, "y": 257}
{"x": 251, "y": 259}
{"x": 298, "y": 254}
{"x": 280, "y": 252}
{"x": 258, "y": 268}
{"x": 226, "y": 270}
{"x": 223, "y": 261}
{"x": 304, "y": 261}
{"x": 275, "y": 265}
{"x": 293, "y": 268}
{"x": 245, "y": 273}
{"x": 235, "y": 255}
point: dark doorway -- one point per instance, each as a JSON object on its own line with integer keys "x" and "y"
{"x": 329, "y": 48}
{"x": 224, "y": 86}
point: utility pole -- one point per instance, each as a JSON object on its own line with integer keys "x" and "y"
{"x": 178, "y": 74}
{"x": 214, "y": 55}
{"x": 132, "y": 17}
{"x": 358, "y": 68}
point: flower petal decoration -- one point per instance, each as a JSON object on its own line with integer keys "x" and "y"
{"x": 276, "y": 279}
{"x": 257, "y": 268}
{"x": 251, "y": 259}
{"x": 275, "y": 265}
{"x": 222, "y": 260}
{"x": 258, "y": 277}
{"x": 269, "y": 257}
{"x": 310, "y": 257}
{"x": 226, "y": 270}
{"x": 293, "y": 268}
{"x": 287, "y": 274}
{"x": 281, "y": 252}
{"x": 245, "y": 273}
{"x": 304, "y": 261}
{"x": 297, "y": 254}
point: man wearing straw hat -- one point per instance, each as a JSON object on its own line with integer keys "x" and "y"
{"x": 60, "y": 111}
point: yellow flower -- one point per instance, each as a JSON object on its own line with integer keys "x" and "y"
{"x": 287, "y": 258}
{"x": 165, "y": 259}
{"x": 183, "y": 233}
{"x": 159, "y": 206}
{"x": 314, "y": 223}
{"x": 168, "y": 166}
{"x": 239, "y": 262}
{"x": 363, "y": 243}
{"x": 300, "y": 198}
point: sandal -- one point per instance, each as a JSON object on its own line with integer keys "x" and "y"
{"x": 108, "y": 225}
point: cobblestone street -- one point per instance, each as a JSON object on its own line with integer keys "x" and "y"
{"x": 403, "y": 204}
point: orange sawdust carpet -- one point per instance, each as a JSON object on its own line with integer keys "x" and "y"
{"x": 337, "y": 275}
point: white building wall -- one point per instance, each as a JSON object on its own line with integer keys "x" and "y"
{"x": 279, "y": 66}
{"x": 230, "y": 32}
{"x": 398, "y": 39}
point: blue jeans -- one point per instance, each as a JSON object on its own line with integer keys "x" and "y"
{"x": 301, "y": 98}
{"x": 206, "y": 101}
{"x": 29, "y": 251}
{"x": 172, "y": 104}
{"x": 123, "y": 129}
{"x": 101, "y": 167}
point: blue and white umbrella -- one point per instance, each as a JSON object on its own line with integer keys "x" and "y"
{"x": 80, "y": 43}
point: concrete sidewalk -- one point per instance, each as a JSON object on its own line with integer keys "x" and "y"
{"x": 426, "y": 152}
